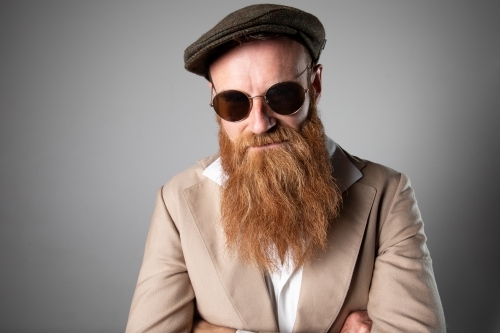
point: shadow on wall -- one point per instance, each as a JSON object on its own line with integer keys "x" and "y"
{"x": 466, "y": 264}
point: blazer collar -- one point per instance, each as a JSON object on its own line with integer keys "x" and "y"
{"x": 344, "y": 170}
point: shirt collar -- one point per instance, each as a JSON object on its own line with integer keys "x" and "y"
{"x": 344, "y": 170}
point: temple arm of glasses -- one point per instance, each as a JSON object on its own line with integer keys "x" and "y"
{"x": 212, "y": 88}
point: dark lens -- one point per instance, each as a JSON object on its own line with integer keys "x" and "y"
{"x": 285, "y": 97}
{"x": 232, "y": 105}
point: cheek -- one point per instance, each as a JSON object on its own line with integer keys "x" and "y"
{"x": 233, "y": 130}
{"x": 297, "y": 119}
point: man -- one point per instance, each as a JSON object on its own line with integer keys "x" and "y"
{"x": 283, "y": 231}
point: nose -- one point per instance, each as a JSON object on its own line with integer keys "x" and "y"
{"x": 261, "y": 117}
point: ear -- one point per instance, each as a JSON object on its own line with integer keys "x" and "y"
{"x": 316, "y": 81}
{"x": 212, "y": 91}
{"x": 211, "y": 86}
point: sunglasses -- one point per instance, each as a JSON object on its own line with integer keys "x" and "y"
{"x": 284, "y": 98}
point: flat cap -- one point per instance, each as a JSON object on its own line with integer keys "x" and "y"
{"x": 263, "y": 18}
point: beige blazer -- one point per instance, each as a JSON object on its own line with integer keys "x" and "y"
{"x": 377, "y": 259}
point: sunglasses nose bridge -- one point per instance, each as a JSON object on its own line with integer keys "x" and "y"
{"x": 262, "y": 118}
{"x": 250, "y": 98}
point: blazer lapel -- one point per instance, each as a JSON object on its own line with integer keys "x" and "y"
{"x": 326, "y": 278}
{"x": 244, "y": 285}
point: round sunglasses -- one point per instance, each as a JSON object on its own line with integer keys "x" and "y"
{"x": 284, "y": 98}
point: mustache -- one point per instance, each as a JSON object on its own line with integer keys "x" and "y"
{"x": 279, "y": 133}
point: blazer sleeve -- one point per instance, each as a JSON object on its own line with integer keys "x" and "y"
{"x": 403, "y": 295}
{"x": 164, "y": 298}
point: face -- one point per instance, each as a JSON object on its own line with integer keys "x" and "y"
{"x": 254, "y": 67}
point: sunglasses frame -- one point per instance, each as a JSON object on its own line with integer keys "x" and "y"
{"x": 250, "y": 98}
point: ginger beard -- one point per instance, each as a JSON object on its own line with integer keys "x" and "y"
{"x": 277, "y": 203}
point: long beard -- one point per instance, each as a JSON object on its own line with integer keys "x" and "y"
{"x": 277, "y": 203}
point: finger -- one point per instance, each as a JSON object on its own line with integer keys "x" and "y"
{"x": 357, "y": 322}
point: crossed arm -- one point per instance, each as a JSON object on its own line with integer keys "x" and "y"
{"x": 356, "y": 322}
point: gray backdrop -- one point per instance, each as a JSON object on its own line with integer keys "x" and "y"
{"x": 97, "y": 112}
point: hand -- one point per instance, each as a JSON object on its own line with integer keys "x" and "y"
{"x": 202, "y": 326}
{"x": 357, "y": 322}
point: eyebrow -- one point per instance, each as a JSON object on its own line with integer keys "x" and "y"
{"x": 213, "y": 85}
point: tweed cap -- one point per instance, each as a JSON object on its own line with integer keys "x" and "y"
{"x": 253, "y": 19}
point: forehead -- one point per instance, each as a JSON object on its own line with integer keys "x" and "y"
{"x": 263, "y": 61}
